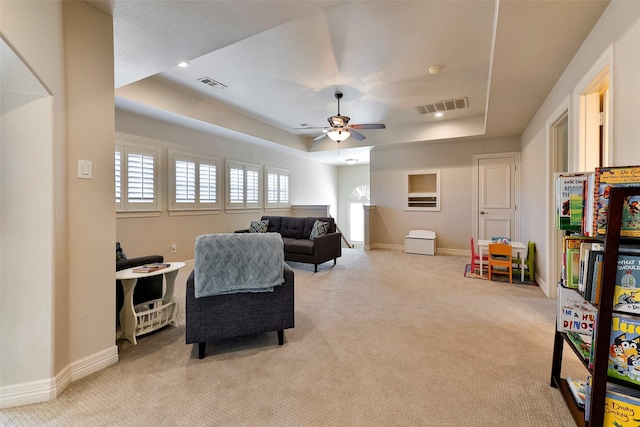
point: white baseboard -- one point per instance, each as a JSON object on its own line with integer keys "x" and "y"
{"x": 439, "y": 251}
{"x": 94, "y": 363}
{"x": 48, "y": 389}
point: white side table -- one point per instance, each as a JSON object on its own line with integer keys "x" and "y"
{"x": 150, "y": 316}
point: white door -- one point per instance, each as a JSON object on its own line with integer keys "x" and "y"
{"x": 497, "y": 195}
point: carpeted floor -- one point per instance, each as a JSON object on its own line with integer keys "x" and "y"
{"x": 500, "y": 278}
{"x": 382, "y": 339}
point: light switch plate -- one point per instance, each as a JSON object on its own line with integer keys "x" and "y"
{"x": 85, "y": 169}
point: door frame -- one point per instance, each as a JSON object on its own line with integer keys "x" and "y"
{"x": 553, "y": 249}
{"x": 475, "y": 197}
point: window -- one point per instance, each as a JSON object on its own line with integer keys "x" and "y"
{"x": 277, "y": 193}
{"x": 135, "y": 178}
{"x": 193, "y": 181}
{"x": 243, "y": 185}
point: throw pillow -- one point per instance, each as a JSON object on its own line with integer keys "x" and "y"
{"x": 259, "y": 226}
{"x": 320, "y": 228}
{"x": 120, "y": 255}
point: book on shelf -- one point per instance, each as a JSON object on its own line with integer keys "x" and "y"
{"x": 624, "y": 358}
{"x": 581, "y": 342}
{"x": 621, "y": 406}
{"x": 570, "y": 200}
{"x": 150, "y": 268}
{"x": 618, "y": 176}
{"x": 571, "y": 259}
{"x": 574, "y": 313}
{"x": 594, "y": 276}
{"x": 626, "y": 294}
{"x": 585, "y": 252}
{"x": 578, "y": 390}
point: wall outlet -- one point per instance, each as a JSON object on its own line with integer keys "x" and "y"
{"x": 173, "y": 248}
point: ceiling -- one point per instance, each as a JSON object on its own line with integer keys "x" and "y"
{"x": 280, "y": 63}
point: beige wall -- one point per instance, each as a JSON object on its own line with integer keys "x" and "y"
{"x": 311, "y": 183}
{"x": 453, "y": 223}
{"x": 59, "y": 267}
{"x": 618, "y": 28}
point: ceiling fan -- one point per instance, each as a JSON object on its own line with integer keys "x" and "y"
{"x": 339, "y": 128}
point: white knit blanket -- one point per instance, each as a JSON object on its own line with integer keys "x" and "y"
{"x": 238, "y": 262}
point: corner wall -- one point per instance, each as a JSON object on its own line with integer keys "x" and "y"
{"x": 453, "y": 223}
{"x": 59, "y": 267}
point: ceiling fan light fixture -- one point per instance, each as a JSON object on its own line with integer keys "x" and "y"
{"x": 338, "y": 135}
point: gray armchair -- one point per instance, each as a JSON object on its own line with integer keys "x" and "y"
{"x": 236, "y": 314}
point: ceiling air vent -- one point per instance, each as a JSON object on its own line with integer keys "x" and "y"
{"x": 441, "y": 106}
{"x": 213, "y": 83}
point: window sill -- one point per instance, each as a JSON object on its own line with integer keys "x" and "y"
{"x": 194, "y": 212}
{"x": 138, "y": 214}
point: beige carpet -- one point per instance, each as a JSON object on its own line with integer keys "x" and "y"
{"x": 382, "y": 339}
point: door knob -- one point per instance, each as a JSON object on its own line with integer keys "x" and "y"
{"x": 483, "y": 213}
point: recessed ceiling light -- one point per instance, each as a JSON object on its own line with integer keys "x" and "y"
{"x": 351, "y": 161}
{"x": 184, "y": 64}
{"x": 439, "y": 114}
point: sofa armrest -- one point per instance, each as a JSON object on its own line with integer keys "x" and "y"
{"x": 328, "y": 246}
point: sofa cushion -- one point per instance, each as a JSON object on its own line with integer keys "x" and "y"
{"x": 292, "y": 227}
{"x": 320, "y": 228}
{"x": 259, "y": 226}
{"x": 298, "y": 246}
{"x": 274, "y": 223}
{"x": 120, "y": 255}
{"x": 310, "y": 221}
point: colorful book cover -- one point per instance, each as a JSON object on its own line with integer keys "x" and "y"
{"x": 578, "y": 390}
{"x": 582, "y": 343}
{"x": 570, "y": 200}
{"x": 626, "y": 295}
{"x": 621, "y": 410}
{"x": 605, "y": 178}
{"x": 574, "y": 313}
{"x": 624, "y": 358}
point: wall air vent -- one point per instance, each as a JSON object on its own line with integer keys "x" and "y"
{"x": 441, "y": 106}
{"x": 213, "y": 83}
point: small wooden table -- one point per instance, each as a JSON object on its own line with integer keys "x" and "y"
{"x": 518, "y": 247}
{"x": 152, "y": 315}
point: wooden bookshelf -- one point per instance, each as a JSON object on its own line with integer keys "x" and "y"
{"x": 612, "y": 241}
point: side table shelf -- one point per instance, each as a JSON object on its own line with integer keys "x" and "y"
{"x": 150, "y": 316}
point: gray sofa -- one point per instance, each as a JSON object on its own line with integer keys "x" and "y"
{"x": 298, "y": 247}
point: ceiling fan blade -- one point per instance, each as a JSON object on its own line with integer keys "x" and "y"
{"x": 309, "y": 128}
{"x": 356, "y": 135}
{"x": 369, "y": 126}
{"x": 322, "y": 135}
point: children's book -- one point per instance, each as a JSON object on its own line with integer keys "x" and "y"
{"x": 594, "y": 276}
{"x": 574, "y": 313}
{"x": 604, "y": 179}
{"x": 582, "y": 343}
{"x": 570, "y": 200}
{"x": 624, "y": 357}
{"x": 578, "y": 390}
{"x": 621, "y": 409}
{"x": 626, "y": 294}
{"x": 621, "y": 405}
{"x": 571, "y": 259}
